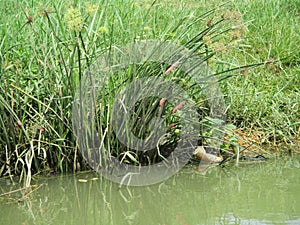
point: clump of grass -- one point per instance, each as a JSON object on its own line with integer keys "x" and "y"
{"x": 216, "y": 36}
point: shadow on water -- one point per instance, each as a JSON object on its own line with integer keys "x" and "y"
{"x": 264, "y": 193}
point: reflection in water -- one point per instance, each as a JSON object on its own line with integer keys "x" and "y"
{"x": 264, "y": 193}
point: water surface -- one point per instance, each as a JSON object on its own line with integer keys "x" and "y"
{"x": 261, "y": 193}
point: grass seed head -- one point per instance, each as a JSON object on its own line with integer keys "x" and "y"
{"x": 90, "y": 8}
{"x": 74, "y": 19}
{"x": 103, "y": 30}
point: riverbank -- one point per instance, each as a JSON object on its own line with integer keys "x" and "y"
{"x": 251, "y": 47}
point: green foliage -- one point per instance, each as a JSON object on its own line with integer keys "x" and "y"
{"x": 46, "y": 47}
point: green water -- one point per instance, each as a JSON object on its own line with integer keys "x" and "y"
{"x": 264, "y": 193}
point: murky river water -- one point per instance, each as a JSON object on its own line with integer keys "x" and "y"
{"x": 264, "y": 193}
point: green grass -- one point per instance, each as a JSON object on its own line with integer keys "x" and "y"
{"x": 43, "y": 58}
{"x": 271, "y": 92}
